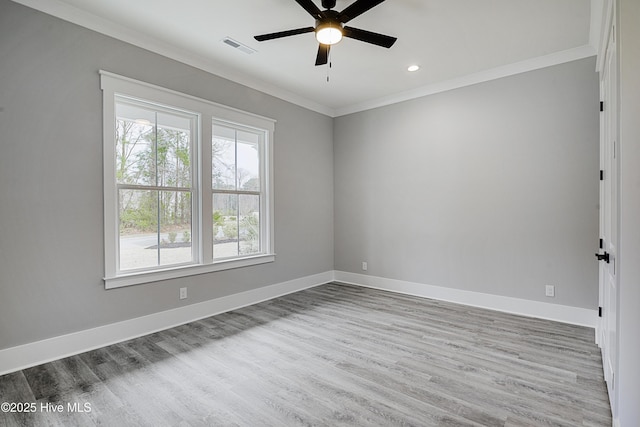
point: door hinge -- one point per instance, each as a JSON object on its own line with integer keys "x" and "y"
{"x": 599, "y": 311}
{"x": 601, "y": 105}
{"x": 601, "y": 243}
{"x": 601, "y": 175}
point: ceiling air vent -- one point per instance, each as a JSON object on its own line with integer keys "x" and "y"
{"x": 237, "y": 45}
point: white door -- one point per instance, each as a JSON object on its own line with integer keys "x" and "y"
{"x": 609, "y": 214}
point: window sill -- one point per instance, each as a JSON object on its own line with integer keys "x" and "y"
{"x": 184, "y": 271}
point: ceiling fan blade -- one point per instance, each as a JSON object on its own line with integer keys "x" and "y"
{"x": 323, "y": 54}
{"x": 311, "y": 8}
{"x": 356, "y": 9}
{"x": 287, "y": 33}
{"x": 369, "y": 37}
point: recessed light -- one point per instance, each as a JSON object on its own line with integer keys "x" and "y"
{"x": 413, "y": 68}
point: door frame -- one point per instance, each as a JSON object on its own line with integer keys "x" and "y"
{"x": 606, "y": 330}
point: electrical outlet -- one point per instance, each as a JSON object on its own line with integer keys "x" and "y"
{"x": 183, "y": 293}
{"x": 364, "y": 266}
{"x": 550, "y": 290}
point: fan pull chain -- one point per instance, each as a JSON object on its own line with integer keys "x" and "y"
{"x": 328, "y": 62}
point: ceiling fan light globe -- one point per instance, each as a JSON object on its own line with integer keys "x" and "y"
{"x": 328, "y": 35}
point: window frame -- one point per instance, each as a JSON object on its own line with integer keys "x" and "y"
{"x": 194, "y": 119}
{"x": 207, "y": 112}
{"x": 237, "y": 191}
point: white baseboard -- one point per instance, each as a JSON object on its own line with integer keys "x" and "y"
{"x": 24, "y": 356}
{"x": 541, "y": 310}
{"x": 33, "y": 354}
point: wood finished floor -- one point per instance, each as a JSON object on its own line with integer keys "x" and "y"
{"x": 334, "y": 355}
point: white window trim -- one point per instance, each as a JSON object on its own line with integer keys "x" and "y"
{"x": 112, "y": 85}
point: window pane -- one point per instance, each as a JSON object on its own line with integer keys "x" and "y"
{"x": 174, "y": 151}
{"x": 138, "y": 229}
{"x": 142, "y": 243}
{"x": 225, "y": 225}
{"x": 249, "y": 223}
{"x": 223, "y": 158}
{"x": 135, "y": 152}
{"x": 175, "y": 227}
{"x": 152, "y": 147}
{"x": 248, "y": 162}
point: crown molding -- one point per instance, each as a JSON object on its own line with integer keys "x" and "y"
{"x": 532, "y": 64}
{"x": 93, "y": 22}
{"x": 79, "y": 17}
{"x": 602, "y": 18}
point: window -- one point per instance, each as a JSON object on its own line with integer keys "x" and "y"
{"x": 186, "y": 184}
{"x": 235, "y": 155}
{"x": 154, "y": 153}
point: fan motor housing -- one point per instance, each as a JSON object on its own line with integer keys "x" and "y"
{"x": 329, "y": 21}
{"x": 328, "y": 4}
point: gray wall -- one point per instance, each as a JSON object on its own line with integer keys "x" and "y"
{"x": 628, "y": 376}
{"x": 51, "y": 229}
{"x": 490, "y": 188}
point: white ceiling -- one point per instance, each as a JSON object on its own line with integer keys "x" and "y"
{"x": 456, "y": 42}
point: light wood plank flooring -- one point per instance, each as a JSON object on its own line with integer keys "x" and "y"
{"x": 334, "y": 355}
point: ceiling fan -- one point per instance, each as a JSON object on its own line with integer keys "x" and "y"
{"x": 330, "y": 26}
